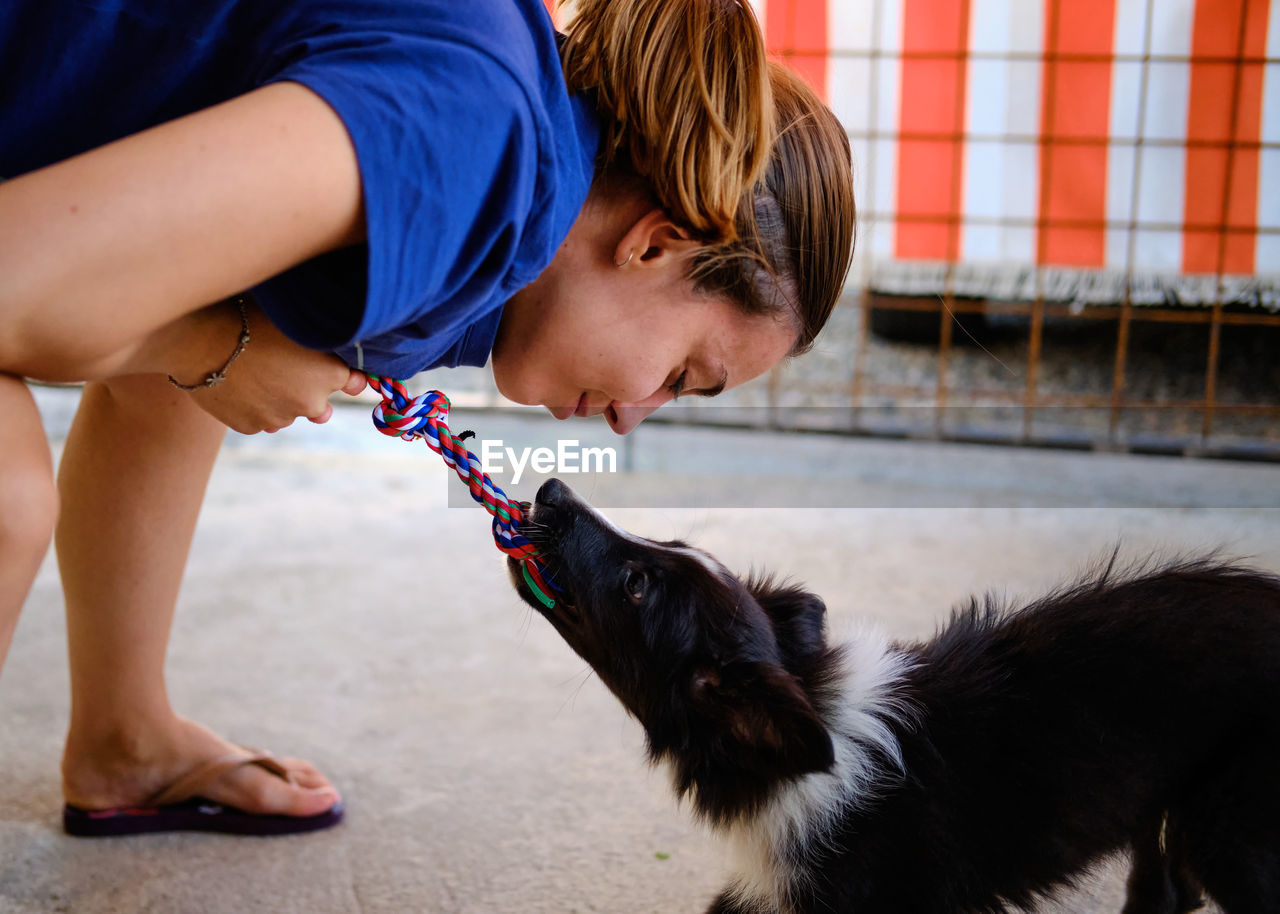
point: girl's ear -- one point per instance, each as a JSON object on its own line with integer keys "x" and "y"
{"x": 653, "y": 237}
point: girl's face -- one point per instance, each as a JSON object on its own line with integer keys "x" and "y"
{"x": 590, "y": 338}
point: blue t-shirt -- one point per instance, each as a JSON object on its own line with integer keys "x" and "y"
{"x": 474, "y": 158}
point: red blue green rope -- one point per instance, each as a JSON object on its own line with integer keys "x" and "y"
{"x": 426, "y": 417}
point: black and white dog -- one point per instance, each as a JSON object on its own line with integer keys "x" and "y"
{"x": 970, "y": 773}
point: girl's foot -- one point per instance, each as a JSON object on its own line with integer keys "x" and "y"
{"x": 119, "y": 770}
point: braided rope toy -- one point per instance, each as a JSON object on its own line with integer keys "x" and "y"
{"x": 425, "y": 417}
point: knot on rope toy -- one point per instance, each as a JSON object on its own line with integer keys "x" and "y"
{"x": 426, "y": 417}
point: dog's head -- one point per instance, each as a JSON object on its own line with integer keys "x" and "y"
{"x": 718, "y": 671}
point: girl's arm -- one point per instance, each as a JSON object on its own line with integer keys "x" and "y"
{"x": 273, "y": 381}
{"x": 100, "y": 251}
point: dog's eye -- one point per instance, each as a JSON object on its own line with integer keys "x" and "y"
{"x": 635, "y": 584}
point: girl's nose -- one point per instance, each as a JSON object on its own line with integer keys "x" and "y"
{"x": 623, "y": 417}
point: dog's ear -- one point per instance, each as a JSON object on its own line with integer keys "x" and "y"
{"x": 767, "y": 718}
{"x": 799, "y": 617}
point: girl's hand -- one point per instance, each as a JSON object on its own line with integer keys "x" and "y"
{"x": 276, "y": 381}
{"x": 273, "y": 382}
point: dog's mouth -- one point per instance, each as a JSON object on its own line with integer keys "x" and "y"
{"x": 549, "y": 520}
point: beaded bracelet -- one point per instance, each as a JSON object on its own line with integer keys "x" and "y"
{"x": 217, "y": 377}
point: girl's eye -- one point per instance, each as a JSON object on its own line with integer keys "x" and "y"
{"x": 677, "y": 386}
{"x": 635, "y": 584}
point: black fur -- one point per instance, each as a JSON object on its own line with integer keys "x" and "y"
{"x": 1136, "y": 711}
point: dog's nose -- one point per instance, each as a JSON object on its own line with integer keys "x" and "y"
{"x": 553, "y": 493}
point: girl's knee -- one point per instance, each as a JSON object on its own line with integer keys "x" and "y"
{"x": 28, "y": 492}
{"x": 28, "y": 507}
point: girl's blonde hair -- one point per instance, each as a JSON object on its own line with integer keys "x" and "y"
{"x": 797, "y": 225}
{"x": 737, "y": 149}
{"x": 683, "y": 91}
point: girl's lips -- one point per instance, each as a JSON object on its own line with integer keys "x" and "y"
{"x": 564, "y": 412}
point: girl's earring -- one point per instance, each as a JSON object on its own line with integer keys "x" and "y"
{"x": 625, "y": 262}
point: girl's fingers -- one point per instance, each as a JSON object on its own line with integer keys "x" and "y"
{"x": 324, "y": 416}
{"x": 356, "y": 382}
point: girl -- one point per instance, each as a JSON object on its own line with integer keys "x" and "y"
{"x": 640, "y": 208}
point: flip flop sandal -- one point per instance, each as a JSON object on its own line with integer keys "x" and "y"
{"x": 179, "y": 807}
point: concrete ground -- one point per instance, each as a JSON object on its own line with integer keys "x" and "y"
{"x": 337, "y": 608}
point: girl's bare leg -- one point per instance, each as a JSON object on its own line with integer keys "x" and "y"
{"x": 132, "y": 478}
{"x": 28, "y": 501}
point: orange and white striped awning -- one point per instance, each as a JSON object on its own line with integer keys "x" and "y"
{"x": 1073, "y": 149}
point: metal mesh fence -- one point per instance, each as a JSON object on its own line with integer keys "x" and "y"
{"x": 1091, "y": 339}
